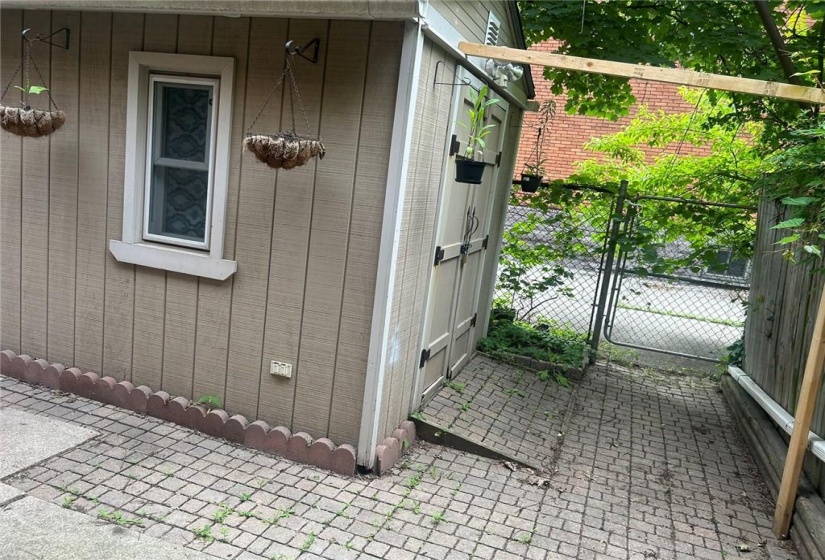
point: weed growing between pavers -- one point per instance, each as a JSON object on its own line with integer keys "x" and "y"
{"x": 118, "y": 518}
{"x": 456, "y": 386}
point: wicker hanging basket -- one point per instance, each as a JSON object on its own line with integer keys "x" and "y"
{"x": 284, "y": 151}
{"x": 287, "y": 149}
{"x": 24, "y": 120}
{"x": 31, "y": 123}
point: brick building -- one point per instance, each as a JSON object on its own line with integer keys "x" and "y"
{"x": 566, "y": 134}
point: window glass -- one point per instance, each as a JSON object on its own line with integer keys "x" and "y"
{"x": 178, "y": 193}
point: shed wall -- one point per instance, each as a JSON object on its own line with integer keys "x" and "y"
{"x": 428, "y": 152}
{"x": 306, "y": 240}
{"x": 782, "y": 308}
{"x": 470, "y": 18}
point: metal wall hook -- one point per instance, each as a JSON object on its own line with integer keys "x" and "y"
{"x": 45, "y": 38}
{"x": 292, "y": 48}
{"x": 460, "y": 82}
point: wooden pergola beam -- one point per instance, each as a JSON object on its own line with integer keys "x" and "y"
{"x": 679, "y": 76}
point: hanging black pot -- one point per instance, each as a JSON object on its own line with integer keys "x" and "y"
{"x": 469, "y": 171}
{"x": 530, "y": 183}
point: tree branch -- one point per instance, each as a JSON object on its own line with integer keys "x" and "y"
{"x": 764, "y": 11}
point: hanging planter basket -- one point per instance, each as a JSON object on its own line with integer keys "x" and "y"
{"x": 530, "y": 183}
{"x": 284, "y": 151}
{"x": 24, "y": 120}
{"x": 469, "y": 171}
{"x": 31, "y": 123}
{"x": 287, "y": 149}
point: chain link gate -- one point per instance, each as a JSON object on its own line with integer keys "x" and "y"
{"x": 568, "y": 260}
{"x": 686, "y": 310}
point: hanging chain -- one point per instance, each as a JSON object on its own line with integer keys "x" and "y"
{"x": 267, "y": 100}
{"x": 24, "y": 94}
{"x": 25, "y": 65}
{"x": 293, "y": 96}
{"x": 294, "y": 88}
{"x": 8, "y": 86}
{"x": 49, "y": 90}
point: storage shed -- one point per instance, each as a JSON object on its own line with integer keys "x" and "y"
{"x": 327, "y": 299}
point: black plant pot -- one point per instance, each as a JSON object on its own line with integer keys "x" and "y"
{"x": 469, "y": 171}
{"x": 530, "y": 183}
{"x": 500, "y": 314}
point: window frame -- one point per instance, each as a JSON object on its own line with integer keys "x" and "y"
{"x": 168, "y": 253}
{"x": 156, "y": 129}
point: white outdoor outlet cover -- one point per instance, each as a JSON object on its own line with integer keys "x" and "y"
{"x": 280, "y": 368}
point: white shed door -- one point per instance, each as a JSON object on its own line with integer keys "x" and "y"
{"x": 463, "y": 224}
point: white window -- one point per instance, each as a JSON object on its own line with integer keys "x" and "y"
{"x": 178, "y": 123}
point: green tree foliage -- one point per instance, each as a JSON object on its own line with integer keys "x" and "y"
{"x": 725, "y": 174}
{"x": 786, "y": 43}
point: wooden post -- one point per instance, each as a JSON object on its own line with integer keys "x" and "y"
{"x": 679, "y": 76}
{"x": 802, "y": 424}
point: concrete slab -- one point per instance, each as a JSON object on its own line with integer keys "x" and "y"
{"x": 8, "y": 494}
{"x": 26, "y": 439}
{"x": 31, "y": 528}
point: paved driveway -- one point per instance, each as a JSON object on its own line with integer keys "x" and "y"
{"x": 650, "y": 467}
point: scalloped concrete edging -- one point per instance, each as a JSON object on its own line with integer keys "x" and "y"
{"x": 299, "y": 447}
{"x": 394, "y": 447}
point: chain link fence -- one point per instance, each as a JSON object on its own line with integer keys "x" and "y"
{"x": 680, "y": 280}
{"x": 552, "y": 255}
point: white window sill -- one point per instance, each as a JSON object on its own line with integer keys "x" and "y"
{"x": 173, "y": 259}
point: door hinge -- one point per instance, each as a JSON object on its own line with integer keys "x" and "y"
{"x": 425, "y": 355}
{"x": 439, "y": 255}
{"x": 455, "y": 145}
{"x": 485, "y": 242}
{"x": 498, "y": 158}
{"x": 473, "y": 320}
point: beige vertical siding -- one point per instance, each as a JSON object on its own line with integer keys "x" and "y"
{"x": 306, "y": 240}
{"x": 35, "y": 249}
{"x": 119, "y": 293}
{"x": 431, "y": 127}
{"x": 782, "y": 307}
{"x": 470, "y": 18}
{"x": 11, "y": 234}
{"x": 62, "y": 216}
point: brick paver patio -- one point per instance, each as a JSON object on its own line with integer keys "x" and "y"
{"x": 505, "y": 408}
{"x": 650, "y": 467}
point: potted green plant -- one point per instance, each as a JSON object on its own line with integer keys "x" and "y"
{"x": 534, "y": 171}
{"x": 532, "y": 176}
{"x": 467, "y": 168}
